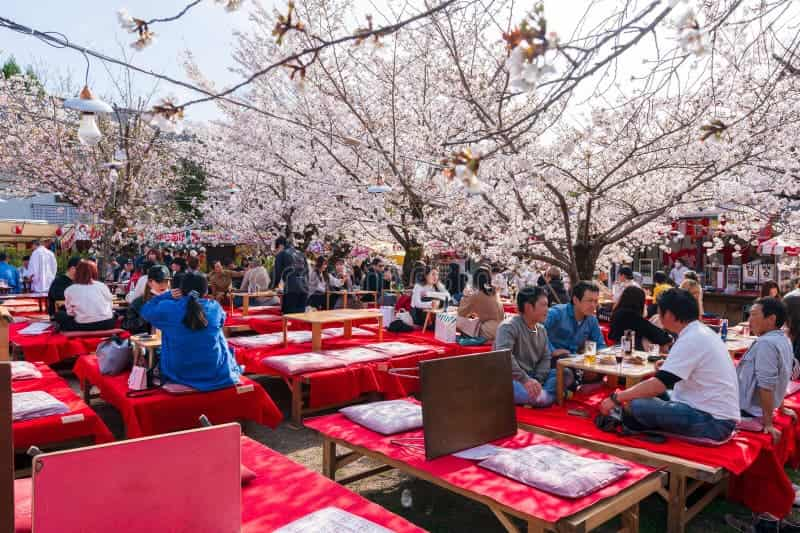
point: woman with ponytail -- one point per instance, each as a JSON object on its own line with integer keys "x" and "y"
{"x": 194, "y": 351}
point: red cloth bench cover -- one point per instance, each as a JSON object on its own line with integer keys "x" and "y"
{"x": 162, "y": 412}
{"x": 751, "y": 457}
{"x": 50, "y": 347}
{"x": 80, "y": 422}
{"x": 282, "y": 492}
{"x": 468, "y": 475}
{"x": 97, "y": 333}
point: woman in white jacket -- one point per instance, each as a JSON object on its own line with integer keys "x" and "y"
{"x": 428, "y": 293}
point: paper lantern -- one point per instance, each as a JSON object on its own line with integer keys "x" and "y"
{"x": 59, "y": 232}
{"x": 18, "y": 230}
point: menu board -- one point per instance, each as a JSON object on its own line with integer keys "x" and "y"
{"x": 733, "y": 276}
{"x": 646, "y": 270}
{"x": 750, "y": 273}
{"x": 766, "y": 272}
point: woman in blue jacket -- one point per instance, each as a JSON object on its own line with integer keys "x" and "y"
{"x": 194, "y": 351}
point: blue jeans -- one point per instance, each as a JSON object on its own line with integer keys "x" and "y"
{"x": 548, "y": 395}
{"x": 679, "y": 418}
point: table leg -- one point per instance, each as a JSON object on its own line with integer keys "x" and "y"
{"x": 327, "y": 300}
{"x": 559, "y": 383}
{"x": 285, "y": 337}
{"x": 676, "y": 507}
{"x": 630, "y": 519}
{"x": 348, "y": 329}
{"x": 344, "y": 301}
{"x": 316, "y": 337}
{"x": 245, "y": 304}
{"x": 380, "y": 328}
{"x": 329, "y": 459}
{"x": 297, "y": 401}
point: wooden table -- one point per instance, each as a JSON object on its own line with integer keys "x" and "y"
{"x": 40, "y": 297}
{"x": 245, "y": 296}
{"x": 632, "y": 373}
{"x": 346, "y": 293}
{"x": 685, "y": 476}
{"x": 142, "y": 345}
{"x": 317, "y": 319}
{"x": 624, "y": 504}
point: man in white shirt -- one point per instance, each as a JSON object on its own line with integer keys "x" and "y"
{"x": 705, "y": 394}
{"x": 625, "y": 280}
{"x": 526, "y": 277}
{"x": 678, "y": 272}
{"x": 43, "y": 267}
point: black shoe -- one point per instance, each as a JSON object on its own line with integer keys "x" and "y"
{"x": 743, "y": 525}
{"x": 789, "y": 526}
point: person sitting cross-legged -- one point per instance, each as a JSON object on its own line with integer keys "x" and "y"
{"x": 766, "y": 368}
{"x": 570, "y": 325}
{"x": 526, "y": 337}
{"x": 705, "y": 395}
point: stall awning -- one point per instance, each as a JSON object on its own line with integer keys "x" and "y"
{"x": 779, "y": 246}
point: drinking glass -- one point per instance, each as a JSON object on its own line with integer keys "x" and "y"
{"x": 619, "y": 355}
{"x": 655, "y": 350}
{"x": 590, "y": 352}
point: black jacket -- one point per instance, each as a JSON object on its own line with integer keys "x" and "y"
{"x": 623, "y": 319}
{"x": 292, "y": 268}
{"x": 56, "y": 292}
{"x": 556, "y": 292}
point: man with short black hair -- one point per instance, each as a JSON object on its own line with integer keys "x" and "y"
{"x": 60, "y": 284}
{"x": 705, "y": 395}
{"x": 525, "y": 336}
{"x": 375, "y": 280}
{"x": 766, "y": 368}
{"x": 291, "y": 267}
{"x": 570, "y": 325}
{"x": 9, "y": 273}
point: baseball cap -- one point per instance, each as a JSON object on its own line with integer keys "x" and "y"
{"x": 158, "y": 273}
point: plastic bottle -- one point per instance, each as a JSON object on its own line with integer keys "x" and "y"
{"x": 405, "y": 499}
{"x": 723, "y": 329}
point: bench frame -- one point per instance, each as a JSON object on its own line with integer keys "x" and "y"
{"x": 685, "y": 476}
{"x": 625, "y": 504}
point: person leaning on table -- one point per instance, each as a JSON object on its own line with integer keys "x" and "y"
{"x": 704, "y": 402}
{"x": 526, "y": 337}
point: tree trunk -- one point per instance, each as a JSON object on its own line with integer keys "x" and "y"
{"x": 413, "y": 251}
{"x": 585, "y": 260}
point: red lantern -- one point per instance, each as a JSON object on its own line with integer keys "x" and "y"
{"x": 18, "y": 230}
{"x": 59, "y": 232}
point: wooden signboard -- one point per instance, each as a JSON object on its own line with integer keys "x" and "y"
{"x": 466, "y": 402}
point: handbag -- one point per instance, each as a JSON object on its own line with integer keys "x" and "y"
{"x": 114, "y": 356}
{"x": 138, "y": 378}
{"x": 468, "y": 326}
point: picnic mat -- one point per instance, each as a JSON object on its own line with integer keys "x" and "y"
{"x": 50, "y": 347}
{"x": 467, "y": 475}
{"x": 285, "y": 491}
{"x": 751, "y": 457}
{"x": 81, "y": 421}
{"x": 162, "y": 412}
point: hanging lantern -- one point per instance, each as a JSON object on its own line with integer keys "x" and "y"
{"x": 59, "y": 232}
{"x": 18, "y": 229}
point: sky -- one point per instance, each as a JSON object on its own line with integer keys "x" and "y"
{"x": 207, "y": 30}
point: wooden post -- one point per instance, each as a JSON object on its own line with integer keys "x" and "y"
{"x": 5, "y": 320}
{"x": 6, "y": 450}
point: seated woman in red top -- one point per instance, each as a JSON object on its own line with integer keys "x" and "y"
{"x": 629, "y": 314}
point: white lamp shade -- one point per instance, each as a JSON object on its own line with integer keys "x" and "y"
{"x": 88, "y": 132}
{"x": 86, "y": 103}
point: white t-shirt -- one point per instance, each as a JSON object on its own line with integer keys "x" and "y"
{"x": 89, "y": 303}
{"x": 138, "y": 289}
{"x": 708, "y": 378}
{"x": 42, "y": 267}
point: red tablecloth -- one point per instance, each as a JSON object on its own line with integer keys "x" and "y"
{"x": 162, "y": 412}
{"x": 469, "y": 476}
{"x": 51, "y": 347}
{"x": 510, "y": 308}
{"x": 340, "y": 385}
{"x": 284, "y": 491}
{"x": 750, "y": 456}
{"x": 81, "y": 421}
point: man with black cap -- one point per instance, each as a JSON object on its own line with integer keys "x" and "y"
{"x": 291, "y": 268}
{"x": 624, "y": 280}
{"x": 60, "y": 284}
{"x": 158, "y": 282}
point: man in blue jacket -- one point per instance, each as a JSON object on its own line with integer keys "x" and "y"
{"x": 9, "y": 273}
{"x": 570, "y": 325}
